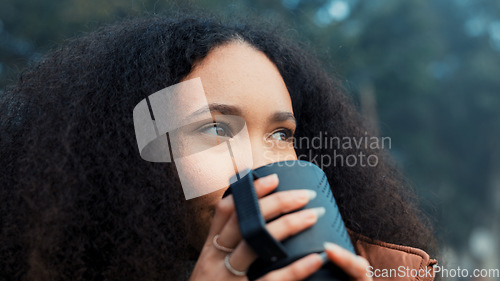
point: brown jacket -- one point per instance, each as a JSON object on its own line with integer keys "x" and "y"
{"x": 394, "y": 262}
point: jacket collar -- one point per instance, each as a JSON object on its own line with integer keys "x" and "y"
{"x": 394, "y": 262}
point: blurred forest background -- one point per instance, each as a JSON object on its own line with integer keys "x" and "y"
{"x": 427, "y": 73}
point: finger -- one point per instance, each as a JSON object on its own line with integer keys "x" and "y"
{"x": 297, "y": 270}
{"x": 223, "y": 211}
{"x": 353, "y": 265}
{"x": 271, "y": 206}
{"x": 225, "y": 207}
{"x": 284, "y": 202}
{"x": 294, "y": 223}
{"x": 265, "y": 185}
{"x": 282, "y": 228}
{"x": 242, "y": 257}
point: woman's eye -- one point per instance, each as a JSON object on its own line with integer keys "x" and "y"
{"x": 217, "y": 130}
{"x": 282, "y": 135}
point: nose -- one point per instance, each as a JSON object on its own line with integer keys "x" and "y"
{"x": 265, "y": 152}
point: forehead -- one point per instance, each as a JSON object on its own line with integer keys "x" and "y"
{"x": 238, "y": 74}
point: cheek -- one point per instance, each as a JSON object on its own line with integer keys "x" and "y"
{"x": 285, "y": 156}
{"x": 204, "y": 173}
{"x": 276, "y": 151}
{"x": 213, "y": 169}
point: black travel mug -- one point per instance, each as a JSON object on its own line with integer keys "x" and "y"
{"x": 273, "y": 254}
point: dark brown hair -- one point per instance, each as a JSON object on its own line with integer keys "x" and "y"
{"x": 78, "y": 202}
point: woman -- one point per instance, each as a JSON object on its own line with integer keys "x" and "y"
{"x": 81, "y": 204}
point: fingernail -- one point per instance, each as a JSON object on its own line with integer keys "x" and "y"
{"x": 267, "y": 180}
{"x": 324, "y": 257}
{"x": 314, "y": 260}
{"x": 319, "y": 211}
{"x": 311, "y": 194}
{"x": 305, "y": 193}
{"x": 331, "y": 247}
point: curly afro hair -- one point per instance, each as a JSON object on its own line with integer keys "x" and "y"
{"x": 79, "y": 203}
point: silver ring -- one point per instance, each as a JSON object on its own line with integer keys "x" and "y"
{"x": 220, "y": 247}
{"x": 231, "y": 269}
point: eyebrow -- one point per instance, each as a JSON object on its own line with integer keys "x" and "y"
{"x": 283, "y": 116}
{"x": 226, "y": 109}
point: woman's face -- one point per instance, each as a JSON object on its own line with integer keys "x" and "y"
{"x": 240, "y": 80}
